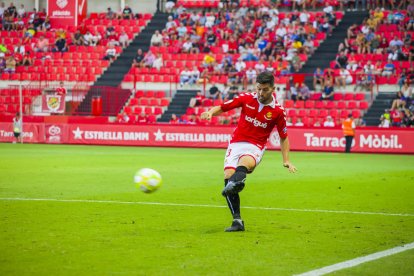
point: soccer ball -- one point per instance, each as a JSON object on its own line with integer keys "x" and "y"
{"x": 147, "y": 180}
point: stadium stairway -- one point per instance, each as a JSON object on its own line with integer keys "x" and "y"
{"x": 117, "y": 70}
{"x": 383, "y": 101}
{"x": 178, "y": 105}
{"x": 114, "y": 75}
{"x": 328, "y": 49}
{"x": 109, "y": 107}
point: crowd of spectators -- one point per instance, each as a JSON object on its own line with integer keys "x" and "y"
{"x": 39, "y": 36}
{"x": 274, "y": 41}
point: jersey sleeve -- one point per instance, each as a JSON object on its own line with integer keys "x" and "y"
{"x": 231, "y": 104}
{"x": 281, "y": 124}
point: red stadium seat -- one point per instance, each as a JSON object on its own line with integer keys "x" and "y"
{"x": 309, "y": 104}
{"x": 363, "y": 105}
{"x": 288, "y": 103}
{"x": 359, "y": 96}
{"x": 351, "y": 105}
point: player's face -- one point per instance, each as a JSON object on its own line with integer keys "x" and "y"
{"x": 264, "y": 93}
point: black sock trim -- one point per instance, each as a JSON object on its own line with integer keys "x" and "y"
{"x": 226, "y": 181}
{"x": 241, "y": 169}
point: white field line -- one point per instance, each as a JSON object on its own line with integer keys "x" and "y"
{"x": 358, "y": 261}
{"x": 203, "y": 205}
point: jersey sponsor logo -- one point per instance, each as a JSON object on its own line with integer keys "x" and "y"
{"x": 249, "y": 106}
{"x": 268, "y": 116}
{"x": 255, "y": 122}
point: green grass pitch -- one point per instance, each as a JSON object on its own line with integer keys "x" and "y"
{"x": 95, "y": 237}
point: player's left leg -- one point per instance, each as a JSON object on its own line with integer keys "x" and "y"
{"x": 236, "y": 182}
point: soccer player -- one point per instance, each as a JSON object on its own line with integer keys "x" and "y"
{"x": 260, "y": 113}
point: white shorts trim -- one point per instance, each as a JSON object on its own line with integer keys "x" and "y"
{"x": 235, "y": 151}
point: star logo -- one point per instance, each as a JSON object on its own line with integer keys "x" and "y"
{"x": 77, "y": 133}
{"x": 159, "y": 136}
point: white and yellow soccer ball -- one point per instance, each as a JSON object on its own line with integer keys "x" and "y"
{"x": 148, "y": 180}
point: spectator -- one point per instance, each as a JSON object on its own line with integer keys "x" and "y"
{"x": 363, "y": 82}
{"x": 77, "y": 38}
{"x": 389, "y": 69}
{"x": 21, "y": 12}
{"x": 127, "y": 13}
{"x": 233, "y": 91}
{"x": 42, "y": 45}
{"x": 60, "y": 45}
{"x": 174, "y": 119}
{"x": 299, "y": 122}
{"x": 113, "y": 42}
{"x": 123, "y": 39}
{"x": 19, "y": 49}
{"x": 197, "y": 100}
{"x": 259, "y": 67}
{"x": 169, "y": 5}
{"x": 208, "y": 60}
{"x": 385, "y": 119}
{"x": 10, "y": 65}
{"x": 344, "y": 78}
{"x": 148, "y": 59}
{"x": 142, "y": 118}
{"x": 396, "y": 116}
{"x": 195, "y": 75}
{"x": 27, "y": 59}
{"x": 28, "y": 33}
{"x": 329, "y": 122}
{"x": 158, "y": 62}
{"x": 214, "y": 92}
{"x": 61, "y": 90}
{"x": 187, "y": 46}
{"x": 138, "y": 60}
{"x": 87, "y": 39}
{"x": 251, "y": 75}
{"x": 17, "y": 128}
{"x": 37, "y": 22}
{"x": 328, "y": 91}
{"x": 341, "y": 60}
{"x": 46, "y": 25}
{"x": 110, "y": 31}
{"x": 185, "y": 76}
{"x": 170, "y": 25}
{"x": 317, "y": 77}
{"x": 156, "y": 39}
{"x": 2, "y": 9}
{"x": 304, "y": 92}
{"x": 289, "y": 121}
{"x": 12, "y": 10}
{"x": 110, "y": 14}
{"x": 110, "y": 53}
{"x": 124, "y": 118}
{"x": 2, "y": 64}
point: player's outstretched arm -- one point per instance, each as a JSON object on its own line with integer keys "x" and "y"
{"x": 284, "y": 147}
{"x": 212, "y": 112}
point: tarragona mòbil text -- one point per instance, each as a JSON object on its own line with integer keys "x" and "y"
{"x": 369, "y": 141}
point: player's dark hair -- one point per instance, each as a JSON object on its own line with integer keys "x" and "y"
{"x": 266, "y": 78}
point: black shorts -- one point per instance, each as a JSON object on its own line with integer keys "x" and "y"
{"x": 16, "y": 134}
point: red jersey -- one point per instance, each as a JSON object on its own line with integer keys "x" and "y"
{"x": 61, "y": 91}
{"x": 256, "y": 120}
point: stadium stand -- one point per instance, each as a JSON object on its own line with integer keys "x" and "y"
{"x": 206, "y": 36}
